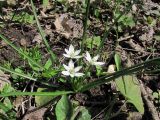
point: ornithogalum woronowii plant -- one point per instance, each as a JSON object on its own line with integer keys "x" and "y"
{"x": 75, "y": 70}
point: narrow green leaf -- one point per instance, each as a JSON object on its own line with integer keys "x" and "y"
{"x": 55, "y": 93}
{"x": 49, "y": 73}
{"x": 63, "y": 109}
{"x": 126, "y": 71}
{"x": 53, "y": 56}
{"x": 17, "y": 73}
{"x": 48, "y": 64}
{"x": 128, "y": 85}
{"x": 117, "y": 61}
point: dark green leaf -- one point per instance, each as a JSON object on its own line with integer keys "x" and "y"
{"x": 63, "y": 109}
{"x": 128, "y": 85}
{"x": 84, "y": 114}
{"x": 42, "y": 100}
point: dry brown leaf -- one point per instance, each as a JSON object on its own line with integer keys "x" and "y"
{"x": 111, "y": 68}
{"x": 136, "y": 46}
{"x": 48, "y": 30}
{"x": 72, "y": 1}
{"x": 62, "y": 26}
{"x": 12, "y": 2}
{"x": 23, "y": 42}
{"x": 3, "y": 43}
{"x": 37, "y": 39}
{"x": 18, "y": 102}
{"x": 35, "y": 115}
{"x": 68, "y": 26}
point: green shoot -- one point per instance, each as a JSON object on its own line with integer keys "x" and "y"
{"x": 20, "y": 52}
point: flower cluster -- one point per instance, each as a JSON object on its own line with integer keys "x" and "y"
{"x": 73, "y": 71}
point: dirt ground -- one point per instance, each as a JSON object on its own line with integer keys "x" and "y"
{"x": 63, "y": 25}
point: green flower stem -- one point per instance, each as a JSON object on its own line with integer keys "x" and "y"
{"x": 73, "y": 82}
{"x": 87, "y": 69}
{"x": 126, "y": 71}
{"x": 85, "y": 25}
{"x": 17, "y": 73}
{"x": 79, "y": 81}
{"x": 20, "y": 52}
{"x": 53, "y": 56}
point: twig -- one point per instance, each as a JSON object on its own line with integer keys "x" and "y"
{"x": 99, "y": 113}
{"x": 4, "y": 80}
{"x": 149, "y": 103}
{"x": 125, "y": 38}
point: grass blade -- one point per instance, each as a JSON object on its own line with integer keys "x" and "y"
{"x": 85, "y": 25}
{"x": 53, "y": 56}
{"x": 56, "y": 93}
{"x": 16, "y": 73}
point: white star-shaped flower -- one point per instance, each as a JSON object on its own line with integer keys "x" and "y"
{"x": 71, "y": 70}
{"x": 71, "y": 53}
{"x": 93, "y": 61}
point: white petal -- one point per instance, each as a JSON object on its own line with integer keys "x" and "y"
{"x": 88, "y": 56}
{"x": 96, "y": 58}
{"x": 66, "y": 55}
{"x": 66, "y": 67}
{"x": 71, "y": 49}
{"x": 77, "y": 52}
{"x": 65, "y": 73}
{"x": 77, "y": 57}
{"x": 71, "y": 64}
{"x": 99, "y": 63}
{"x": 77, "y": 68}
{"x": 79, "y": 74}
{"x": 66, "y": 51}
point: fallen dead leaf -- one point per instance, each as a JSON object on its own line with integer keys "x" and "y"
{"x": 3, "y": 43}
{"x": 23, "y": 42}
{"x": 18, "y": 102}
{"x": 111, "y": 69}
{"x": 37, "y": 39}
{"x": 62, "y": 26}
{"x": 68, "y": 26}
{"x": 136, "y": 46}
{"x": 35, "y": 115}
{"x": 19, "y": 106}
